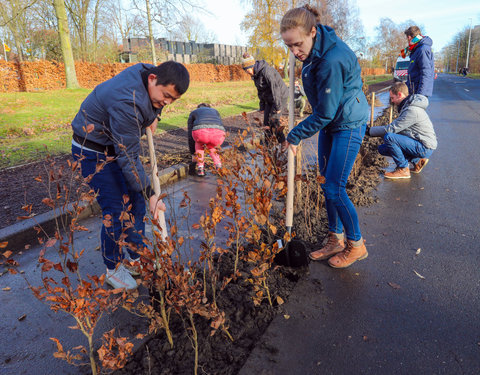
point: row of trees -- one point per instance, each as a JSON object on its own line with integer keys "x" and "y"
{"x": 96, "y": 27}
{"x": 92, "y": 30}
{"x": 454, "y": 55}
{"x": 263, "y": 24}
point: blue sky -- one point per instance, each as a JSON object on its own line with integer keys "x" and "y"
{"x": 441, "y": 19}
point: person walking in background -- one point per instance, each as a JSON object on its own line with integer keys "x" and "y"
{"x": 332, "y": 82}
{"x": 207, "y": 130}
{"x": 421, "y": 70}
{"x": 106, "y": 132}
{"x": 272, "y": 92}
{"x": 299, "y": 98}
{"x": 410, "y": 137}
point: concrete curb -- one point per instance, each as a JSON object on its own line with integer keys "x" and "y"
{"x": 24, "y": 233}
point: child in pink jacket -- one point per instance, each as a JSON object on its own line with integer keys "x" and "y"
{"x": 207, "y": 130}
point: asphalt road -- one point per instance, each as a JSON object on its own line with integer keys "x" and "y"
{"x": 379, "y": 316}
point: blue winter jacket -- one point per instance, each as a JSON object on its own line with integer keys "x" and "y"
{"x": 120, "y": 109}
{"x": 332, "y": 82}
{"x": 421, "y": 71}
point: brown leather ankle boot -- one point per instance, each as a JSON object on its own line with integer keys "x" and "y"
{"x": 349, "y": 256}
{"x": 332, "y": 247}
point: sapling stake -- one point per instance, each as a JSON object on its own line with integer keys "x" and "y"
{"x": 156, "y": 182}
{"x": 162, "y": 223}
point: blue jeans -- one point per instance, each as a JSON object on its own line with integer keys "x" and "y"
{"x": 403, "y": 149}
{"x": 337, "y": 152}
{"x": 111, "y": 187}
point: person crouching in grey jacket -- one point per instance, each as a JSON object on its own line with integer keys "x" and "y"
{"x": 410, "y": 137}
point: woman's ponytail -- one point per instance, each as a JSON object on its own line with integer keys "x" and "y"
{"x": 305, "y": 17}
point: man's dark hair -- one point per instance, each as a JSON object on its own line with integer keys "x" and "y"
{"x": 172, "y": 73}
{"x": 204, "y": 105}
{"x": 413, "y": 31}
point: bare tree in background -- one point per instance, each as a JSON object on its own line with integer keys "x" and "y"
{"x": 80, "y": 15}
{"x": 166, "y": 14}
{"x": 263, "y": 21}
{"x": 192, "y": 29}
{"x": 125, "y": 21}
{"x": 343, "y": 17}
{"x": 14, "y": 15}
{"x": 390, "y": 40}
{"x": 457, "y": 50}
{"x": 64, "y": 33}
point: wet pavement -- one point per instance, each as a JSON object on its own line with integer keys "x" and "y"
{"x": 377, "y": 317}
{"x": 412, "y": 306}
{"x": 26, "y": 348}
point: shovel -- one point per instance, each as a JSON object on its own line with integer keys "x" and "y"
{"x": 156, "y": 183}
{"x": 294, "y": 253}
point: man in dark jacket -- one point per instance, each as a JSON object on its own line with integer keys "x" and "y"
{"x": 272, "y": 92}
{"x": 106, "y": 141}
{"x": 410, "y": 137}
{"x": 421, "y": 71}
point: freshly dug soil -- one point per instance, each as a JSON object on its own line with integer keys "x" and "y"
{"x": 217, "y": 354}
{"x": 20, "y": 188}
{"x": 246, "y": 322}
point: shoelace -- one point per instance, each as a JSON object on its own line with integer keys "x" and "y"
{"x": 344, "y": 254}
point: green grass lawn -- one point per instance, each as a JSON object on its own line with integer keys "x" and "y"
{"x": 369, "y": 80}
{"x": 32, "y": 122}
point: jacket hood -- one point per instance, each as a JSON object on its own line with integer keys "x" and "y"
{"x": 258, "y": 67}
{"x": 426, "y": 41}
{"x": 324, "y": 41}
{"x": 417, "y": 100}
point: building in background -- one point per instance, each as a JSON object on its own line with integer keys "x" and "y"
{"x": 183, "y": 52}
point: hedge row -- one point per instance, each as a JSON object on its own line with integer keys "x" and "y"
{"x": 50, "y": 75}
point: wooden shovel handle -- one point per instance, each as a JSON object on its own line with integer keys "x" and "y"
{"x": 156, "y": 181}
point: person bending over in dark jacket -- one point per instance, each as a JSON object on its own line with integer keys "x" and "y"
{"x": 411, "y": 137}
{"x": 421, "y": 70}
{"x": 272, "y": 92}
{"x": 107, "y": 129}
{"x": 206, "y": 127}
{"x": 332, "y": 82}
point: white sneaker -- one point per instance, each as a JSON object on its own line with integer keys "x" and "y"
{"x": 120, "y": 278}
{"x": 132, "y": 265}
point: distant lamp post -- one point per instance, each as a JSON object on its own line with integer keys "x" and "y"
{"x": 458, "y": 53}
{"x": 469, "y": 38}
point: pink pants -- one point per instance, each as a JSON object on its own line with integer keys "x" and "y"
{"x": 211, "y": 138}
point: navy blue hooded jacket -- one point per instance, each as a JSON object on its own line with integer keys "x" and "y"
{"x": 332, "y": 82}
{"x": 421, "y": 71}
{"x": 120, "y": 109}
